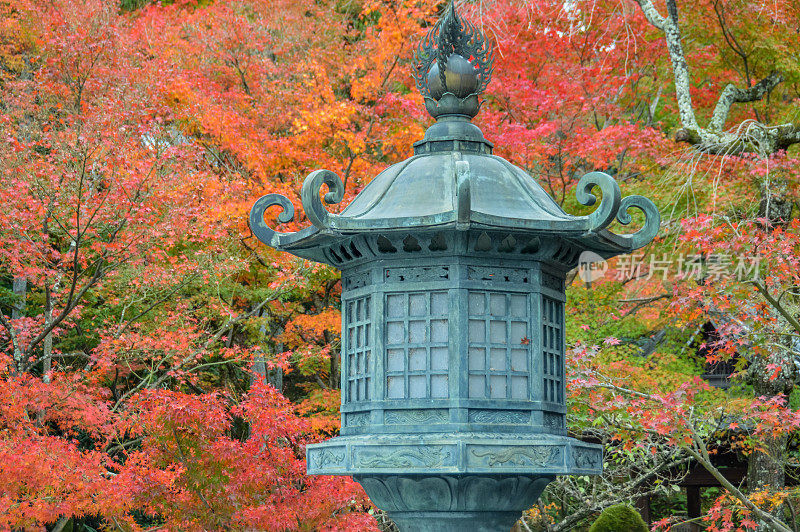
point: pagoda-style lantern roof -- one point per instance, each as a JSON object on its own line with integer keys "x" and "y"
{"x": 453, "y": 182}
{"x": 453, "y": 266}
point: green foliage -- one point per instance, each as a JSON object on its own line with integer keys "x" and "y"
{"x": 619, "y": 518}
{"x": 132, "y": 5}
{"x": 598, "y": 306}
{"x": 8, "y": 298}
{"x": 673, "y": 502}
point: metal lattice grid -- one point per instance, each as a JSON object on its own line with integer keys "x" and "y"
{"x": 417, "y": 345}
{"x": 553, "y": 349}
{"x": 358, "y": 349}
{"x": 499, "y": 347}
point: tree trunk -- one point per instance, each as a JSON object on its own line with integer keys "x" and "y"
{"x": 765, "y": 467}
{"x": 47, "y": 343}
{"x": 775, "y": 203}
{"x": 20, "y": 287}
{"x": 766, "y": 464}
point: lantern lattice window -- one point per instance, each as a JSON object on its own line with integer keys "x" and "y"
{"x": 417, "y": 345}
{"x": 358, "y": 349}
{"x": 499, "y": 347}
{"x": 553, "y": 349}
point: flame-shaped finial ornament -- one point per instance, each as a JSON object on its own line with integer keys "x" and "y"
{"x": 453, "y": 65}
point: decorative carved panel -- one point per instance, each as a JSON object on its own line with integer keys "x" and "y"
{"x": 585, "y": 458}
{"x": 423, "y": 273}
{"x": 415, "y": 457}
{"x": 517, "y": 456}
{"x": 552, "y": 420}
{"x": 355, "y": 280}
{"x": 552, "y": 282}
{"x": 415, "y": 417}
{"x": 500, "y": 275}
{"x": 499, "y": 416}
{"x": 331, "y": 458}
{"x": 357, "y": 419}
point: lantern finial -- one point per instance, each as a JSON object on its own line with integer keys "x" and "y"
{"x": 452, "y": 66}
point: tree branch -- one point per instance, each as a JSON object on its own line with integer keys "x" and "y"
{"x": 576, "y": 517}
{"x": 680, "y": 70}
{"x": 755, "y": 137}
{"x": 72, "y": 301}
{"x": 147, "y": 383}
{"x": 124, "y": 326}
{"x": 731, "y": 94}
{"x": 731, "y": 40}
{"x": 651, "y": 13}
{"x": 703, "y": 459}
{"x": 777, "y": 305}
{"x": 642, "y": 302}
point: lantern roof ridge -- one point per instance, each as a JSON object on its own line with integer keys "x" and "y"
{"x": 453, "y": 181}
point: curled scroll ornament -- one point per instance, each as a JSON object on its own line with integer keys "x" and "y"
{"x": 652, "y": 220}
{"x": 609, "y": 204}
{"x": 260, "y": 228}
{"x": 613, "y": 205}
{"x": 309, "y": 195}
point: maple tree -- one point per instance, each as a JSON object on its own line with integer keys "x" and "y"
{"x": 724, "y": 195}
{"x": 127, "y": 394}
{"x": 161, "y": 370}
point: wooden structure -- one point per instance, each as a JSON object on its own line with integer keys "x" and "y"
{"x": 731, "y": 465}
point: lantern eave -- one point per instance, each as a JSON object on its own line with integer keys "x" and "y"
{"x": 457, "y": 191}
{"x": 510, "y": 237}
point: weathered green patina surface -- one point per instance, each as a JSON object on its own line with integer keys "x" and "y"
{"x": 453, "y": 266}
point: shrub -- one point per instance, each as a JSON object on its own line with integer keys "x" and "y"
{"x": 619, "y": 518}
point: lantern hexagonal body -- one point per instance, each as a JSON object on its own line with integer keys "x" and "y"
{"x": 453, "y": 377}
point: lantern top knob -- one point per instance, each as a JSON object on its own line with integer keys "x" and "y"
{"x": 452, "y": 66}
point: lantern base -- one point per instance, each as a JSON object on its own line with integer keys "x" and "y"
{"x": 454, "y": 503}
{"x": 457, "y": 481}
{"x": 456, "y": 453}
{"x": 455, "y": 521}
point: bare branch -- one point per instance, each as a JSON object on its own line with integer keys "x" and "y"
{"x": 651, "y": 13}
{"x": 699, "y": 452}
{"x": 777, "y": 305}
{"x": 643, "y": 302}
{"x": 569, "y": 522}
{"x": 73, "y": 300}
{"x": 731, "y": 94}
{"x": 749, "y": 136}
{"x": 124, "y": 326}
{"x": 731, "y": 40}
{"x": 703, "y": 459}
{"x": 148, "y": 383}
